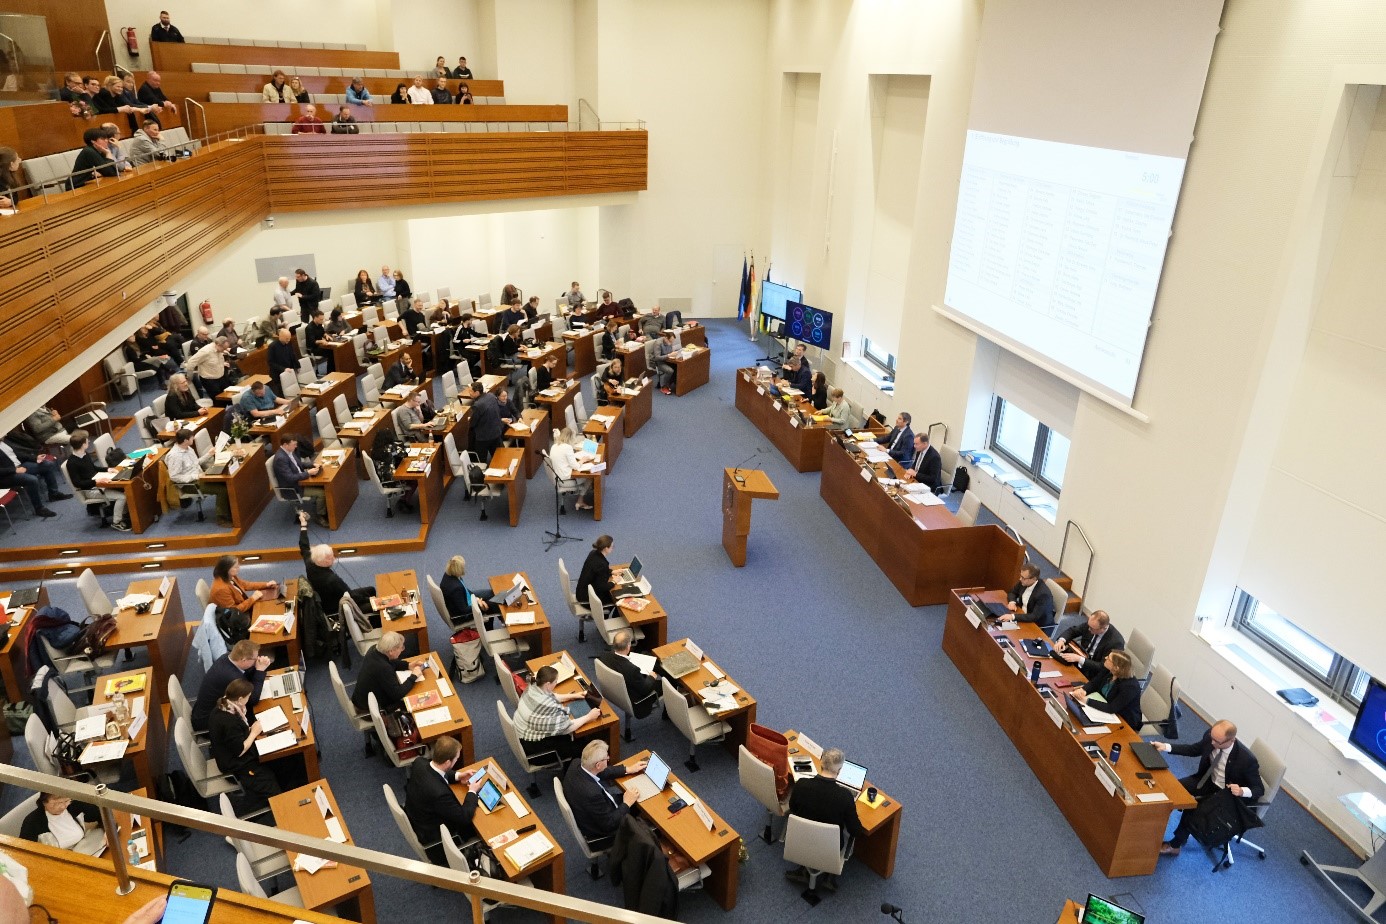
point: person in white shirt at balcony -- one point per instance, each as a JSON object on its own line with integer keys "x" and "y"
{"x": 419, "y": 94}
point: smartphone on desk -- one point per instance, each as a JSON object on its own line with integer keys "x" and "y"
{"x": 189, "y": 902}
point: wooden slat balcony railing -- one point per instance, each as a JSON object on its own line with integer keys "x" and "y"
{"x": 175, "y": 56}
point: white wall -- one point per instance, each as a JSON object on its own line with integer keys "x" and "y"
{"x": 537, "y": 63}
{"x": 421, "y": 30}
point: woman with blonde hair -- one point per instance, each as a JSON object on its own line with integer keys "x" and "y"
{"x": 1114, "y": 690}
{"x": 458, "y": 596}
{"x": 563, "y": 458}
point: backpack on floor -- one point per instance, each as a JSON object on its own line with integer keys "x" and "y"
{"x": 466, "y": 656}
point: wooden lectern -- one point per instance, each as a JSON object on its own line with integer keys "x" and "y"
{"x": 739, "y": 488}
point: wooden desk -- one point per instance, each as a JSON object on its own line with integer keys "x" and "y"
{"x": 539, "y": 636}
{"x": 363, "y": 430}
{"x": 1070, "y": 913}
{"x": 653, "y": 620}
{"x": 297, "y": 810}
{"x": 268, "y": 641}
{"x": 539, "y": 355}
{"x": 296, "y": 422}
{"x": 491, "y": 316}
{"x": 11, "y": 653}
{"x": 493, "y": 383}
{"x": 247, "y": 488}
{"x": 1122, "y": 836}
{"x": 717, "y": 848}
{"x": 153, "y": 832}
{"x": 148, "y": 750}
{"x": 692, "y": 371}
{"x": 547, "y": 872}
{"x": 534, "y": 439}
{"x": 210, "y": 421}
{"x": 877, "y": 847}
{"x": 343, "y": 353}
{"x": 739, "y": 718}
{"x": 692, "y": 333}
{"x": 739, "y": 488}
{"x": 405, "y": 585}
{"x": 608, "y": 727}
{"x": 302, "y": 725}
{"x": 425, "y": 467}
{"x": 558, "y": 398}
{"x": 340, "y": 486}
{"x": 459, "y": 724}
{"x": 479, "y": 345}
{"x": 802, "y": 444}
{"x": 161, "y": 631}
{"x": 336, "y": 383}
{"x": 924, "y": 563}
{"x": 584, "y": 352}
{"x": 632, "y": 355}
{"x": 639, "y": 407}
{"x": 514, "y": 481}
{"x": 612, "y": 435}
{"x": 141, "y": 493}
{"x": 397, "y": 395}
{"x": 598, "y": 480}
{"x": 256, "y": 361}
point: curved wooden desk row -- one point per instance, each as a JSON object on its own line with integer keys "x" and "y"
{"x": 179, "y": 84}
{"x": 801, "y": 444}
{"x": 925, "y": 551}
{"x": 181, "y": 56}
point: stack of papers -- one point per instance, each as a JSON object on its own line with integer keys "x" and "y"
{"x": 90, "y": 728}
{"x": 525, "y": 851}
{"x": 310, "y": 865}
{"x": 334, "y": 830}
{"x": 522, "y": 618}
{"x": 130, "y": 601}
{"x": 435, "y": 716}
{"x": 278, "y": 742}
{"x": 272, "y": 719}
{"x": 99, "y": 751}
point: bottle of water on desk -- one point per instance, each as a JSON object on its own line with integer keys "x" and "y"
{"x": 132, "y": 852}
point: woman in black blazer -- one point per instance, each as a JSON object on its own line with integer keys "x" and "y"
{"x": 596, "y": 573}
{"x": 68, "y": 834}
{"x": 233, "y": 733}
{"x": 819, "y": 397}
{"x": 1116, "y": 685}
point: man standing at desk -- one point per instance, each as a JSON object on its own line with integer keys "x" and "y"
{"x": 1030, "y": 599}
{"x": 308, "y": 293}
{"x": 925, "y": 467}
{"x": 1223, "y": 763}
{"x": 823, "y": 799}
{"x": 280, "y": 355}
{"x": 429, "y": 800}
{"x": 1086, "y": 645}
{"x": 900, "y": 441}
{"x": 487, "y": 428}
{"x": 242, "y": 662}
{"x": 596, "y": 810}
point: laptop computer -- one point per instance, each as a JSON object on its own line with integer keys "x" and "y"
{"x": 1100, "y": 911}
{"x": 853, "y": 776}
{"x": 511, "y": 596}
{"x": 129, "y": 473}
{"x": 652, "y": 782}
{"x": 628, "y": 575}
{"x": 1150, "y": 758}
{"x": 679, "y": 664}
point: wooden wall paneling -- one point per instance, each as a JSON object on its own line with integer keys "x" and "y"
{"x": 39, "y": 129}
{"x": 607, "y": 161}
{"x": 31, "y": 326}
{"x": 181, "y": 57}
{"x": 178, "y": 84}
{"x": 499, "y": 165}
{"x": 225, "y": 117}
{"x": 307, "y": 173}
{"x": 74, "y": 28}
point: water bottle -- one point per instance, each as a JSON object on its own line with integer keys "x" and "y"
{"x": 132, "y": 852}
{"x": 1035, "y": 673}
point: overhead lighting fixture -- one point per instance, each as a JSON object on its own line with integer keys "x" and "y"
{"x": 156, "y": 545}
{"x": 346, "y": 551}
{"x": 62, "y": 571}
{"x": 70, "y": 552}
{"x": 250, "y": 558}
{"x": 151, "y": 564}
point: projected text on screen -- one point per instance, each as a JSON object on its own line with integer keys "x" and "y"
{"x": 1058, "y": 248}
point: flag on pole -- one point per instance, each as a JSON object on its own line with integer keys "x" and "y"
{"x": 744, "y": 301}
{"x": 753, "y": 303}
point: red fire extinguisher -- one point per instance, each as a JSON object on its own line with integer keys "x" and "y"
{"x": 132, "y": 44}
{"x": 206, "y": 308}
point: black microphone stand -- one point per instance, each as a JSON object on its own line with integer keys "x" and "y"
{"x": 557, "y": 535}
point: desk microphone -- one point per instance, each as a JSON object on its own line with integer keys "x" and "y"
{"x": 736, "y": 470}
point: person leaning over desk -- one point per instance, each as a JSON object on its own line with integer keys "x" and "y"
{"x": 242, "y": 662}
{"x": 1030, "y": 599}
{"x": 1086, "y": 645}
{"x": 543, "y": 725}
{"x": 232, "y": 731}
{"x": 596, "y": 809}
{"x": 230, "y": 592}
{"x": 378, "y": 675}
{"x": 1223, "y": 763}
{"x": 429, "y": 800}
{"x": 1120, "y": 692}
{"x": 823, "y": 799}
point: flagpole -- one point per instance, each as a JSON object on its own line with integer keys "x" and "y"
{"x": 751, "y": 301}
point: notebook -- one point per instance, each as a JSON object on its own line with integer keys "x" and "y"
{"x": 629, "y": 575}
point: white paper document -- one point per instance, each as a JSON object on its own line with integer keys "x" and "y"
{"x": 99, "y": 751}
{"x": 90, "y": 728}
{"x": 308, "y": 864}
{"x": 528, "y": 849}
{"x": 334, "y": 830}
{"x": 523, "y": 618}
{"x": 645, "y": 662}
{"x": 272, "y": 719}
{"x": 271, "y": 743}
{"x": 515, "y": 804}
{"x": 435, "y": 716}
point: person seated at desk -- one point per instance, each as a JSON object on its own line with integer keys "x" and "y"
{"x": 430, "y": 802}
{"x": 1030, "y": 599}
{"x": 609, "y": 338}
{"x": 798, "y": 353}
{"x": 596, "y": 573}
{"x": 563, "y": 458}
{"x": 180, "y": 401}
{"x": 609, "y": 307}
{"x": 414, "y": 321}
{"x": 89, "y": 474}
{"x": 401, "y": 373}
{"x": 34, "y": 456}
{"x": 230, "y": 592}
{"x": 925, "y": 465}
{"x": 575, "y": 297}
{"x": 819, "y": 396}
{"x": 798, "y": 376}
{"x": 243, "y": 662}
{"x": 1086, "y": 645}
{"x": 410, "y": 418}
{"x": 651, "y": 325}
{"x": 899, "y": 442}
{"x": 337, "y": 324}
{"x": 611, "y": 380}
{"x": 1120, "y": 692}
{"x": 365, "y": 291}
{"x": 643, "y": 688}
{"x": 267, "y": 328}
{"x": 260, "y": 402}
{"x": 161, "y": 366}
{"x": 457, "y": 596}
{"x": 319, "y": 343}
{"x": 377, "y": 675}
{"x": 232, "y": 733}
{"x": 228, "y": 330}
{"x": 838, "y": 410}
{"x": 543, "y": 376}
{"x": 508, "y": 411}
{"x": 597, "y": 809}
{"x": 317, "y": 565}
{"x": 1223, "y": 763}
{"x": 513, "y": 314}
{"x": 531, "y": 310}
{"x": 665, "y": 370}
{"x": 281, "y": 355}
{"x": 289, "y": 474}
{"x": 60, "y": 822}
{"x": 541, "y": 722}
{"x": 512, "y": 342}
{"x": 823, "y": 799}
{"x": 184, "y": 468}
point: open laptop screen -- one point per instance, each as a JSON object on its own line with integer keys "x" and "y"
{"x": 853, "y": 775}
{"x": 1100, "y": 911}
{"x": 635, "y": 567}
{"x": 657, "y": 771}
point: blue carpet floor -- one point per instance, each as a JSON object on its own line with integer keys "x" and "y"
{"x": 825, "y": 643}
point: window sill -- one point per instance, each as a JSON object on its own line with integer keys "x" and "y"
{"x": 1045, "y": 506}
{"x": 872, "y": 374}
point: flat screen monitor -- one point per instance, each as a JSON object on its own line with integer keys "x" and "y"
{"x": 1100, "y": 911}
{"x": 1369, "y": 731}
{"x": 775, "y": 299}
{"x": 810, "y": 325}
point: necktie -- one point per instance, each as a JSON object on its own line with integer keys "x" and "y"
{"x": 1210, "y": 775}
{"x": 918, "y": 460}
{"x": 1092, "y": 645}
{"x": 896, "y": 442}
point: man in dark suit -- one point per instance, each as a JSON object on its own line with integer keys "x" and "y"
{"x": 281, "y": 355}
{"x": 1086, "y": 645}
{"x": 378, "y": 675}
{"x": 596, "y": 809}
{"x": 429, "y": 800}
{"x": 925, "y": 466}
{"x": 242, "y": 662}
{"x": 1030, "y": 599}
{"x": 486, "y": 421}
{"x": 822, "y": 798}
{"x": 308, "y": 293}
{"x": 317, "y": 566}
{"x": 289, "y": 474}
{"x": 1223, "y": 763}
{"x": 899, "y": 442}
{"x": 642, "y": 688}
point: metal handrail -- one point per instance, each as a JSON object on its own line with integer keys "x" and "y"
{"x": 930, "y": 431}
{"x": 1071, "y": 526}
{"x": 585, "y": 108}
{"x": 473, "y": 887}
{"x": 104, "y": 39}
{"x": 187, "y": 114}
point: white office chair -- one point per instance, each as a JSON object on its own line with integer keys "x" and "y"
{"x": 341, "y": 410}
{"x": 1159, "y": 700}
{"x": 948, "y": 468}
{"x": 40, "y": 744}
{"x": 458, "y": 863}
{"x": 179, "y": 706}
{"x": 441, "y": 605}
{"x": 507, "y": 681}
{"x": 614, "y": 688}
{"x": 405, "y": 828}
{"x": 142, "y": 418}
{"x": 815, "y": 846}
{"x": 93, "y": 597}
{"x": 265, "y": 862}
{"x": 360, "y": 721}
{"x": 377, "y": 372}
{"x": 203, "y": 592}
{"x": 455, "y": 461}
{"x": 67, "y": 664}
{"x": 203, "y": 771}
{"x": 548, "y": 760}
{"x": 370, "y": 391}
{"x": 609, "y": 625}
{"x": 968, "y": 509}
{"x": 288, "y": 384}
{"x": 581, "y": 613}
{"x": 306, "y": 372}
{"x": 450, "y": 385}
{"x": 397, "y": 757}
{"x": 495, "y": 642}
{"x": 327, "y": 430}
{"x": 758, "y": 779}
{"x": 387, "y": 490}
{"x": 283, "y": 495}
{"x": 594, "y": 856}
{"x": 12, "y": 823}
{"x": 694, "y": 722}
{"x": 579, "y": 406}
{"x": 351, "y": 613}
{"x": 1142, "y": 652}
{"x": 245, "y": 877}
{"x": 1063, "y": 621}
{"x": 486, "y": 489}
{"x": 1272, "y": 775}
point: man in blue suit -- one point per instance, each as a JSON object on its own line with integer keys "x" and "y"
{"x": 1030, "y": 599}
{"x": 900, "y": 441}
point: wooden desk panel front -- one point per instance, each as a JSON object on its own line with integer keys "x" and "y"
{"x": 638, "y": 407}
{"x": 584, "y": 353}
{"x": 430, "y": 481}
{"x": 247, "y": 488}
{"x": 801, "y": 445}
{"x": 162, "y": 633}
{"x": 608, "y": 727}
{"x": 739, "y": 719}
{"x": 613, "y": 435}
{"x": 405, "y": 585}
{"x": 632, "y": 355}
{"x": 296, "y": 422}
{"x": 514, "y": 482}
{"x": 12, "y": 653}
{"x": 1123, "y": 838}
{"x": 558, "y": 402}
{"x": 692, "y": 371}
{"x": 340, "y": 487}
{"x": 535, "y": 440}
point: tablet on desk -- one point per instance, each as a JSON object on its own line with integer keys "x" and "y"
{"x": 489, "y": 795}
